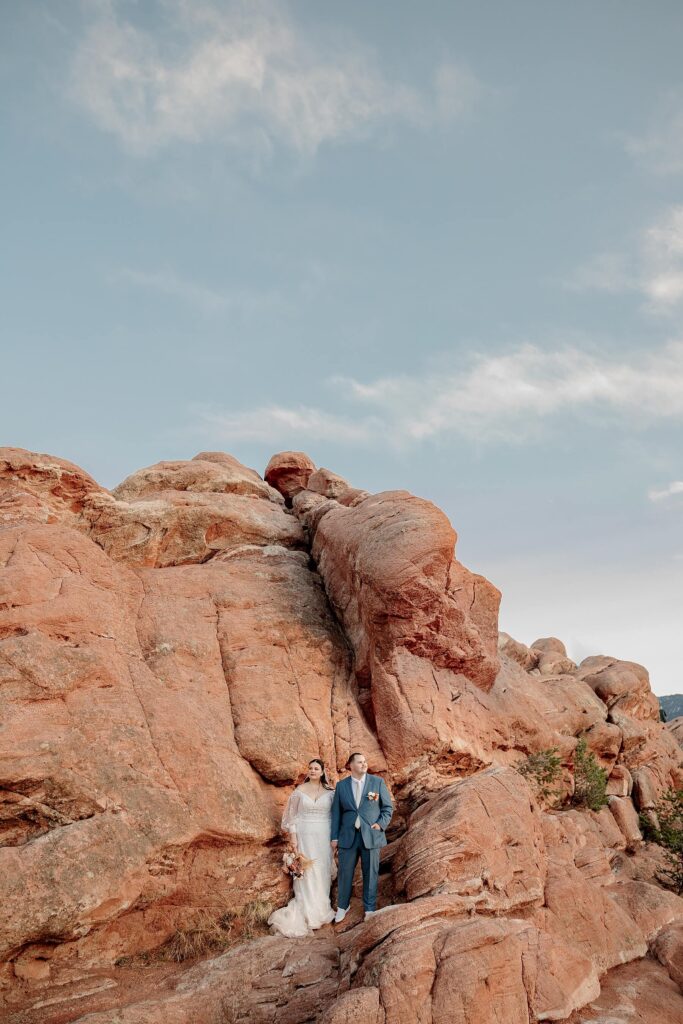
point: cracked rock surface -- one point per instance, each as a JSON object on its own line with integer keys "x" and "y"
{"x": 173, "y": 653}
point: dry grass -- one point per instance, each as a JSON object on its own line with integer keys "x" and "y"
{"x": 255, "y": 918}
{"x": 209, "y": 931}
{"x": 207, "y": 934}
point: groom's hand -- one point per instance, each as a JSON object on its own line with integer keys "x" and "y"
{"x": 377, "y": 827}
{"x": 333, "y": 843}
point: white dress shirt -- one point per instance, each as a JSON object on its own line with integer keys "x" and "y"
{"x": 358, "y": 785}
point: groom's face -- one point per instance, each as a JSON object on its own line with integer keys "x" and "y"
{"x": 359, "y": 766}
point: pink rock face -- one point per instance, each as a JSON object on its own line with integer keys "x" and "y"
{"x": 450, "y": 848}
{"x": 329, "y": 485}
{"x": 634, "y": 993}
{"x": 626, "y": 818}
{"x": 668, "y": 948}
{"x": 476, "y": 972}
{"x": 675, "y": 727}
{"x": 409, "y": 610}
{"x": 174, "y": 652}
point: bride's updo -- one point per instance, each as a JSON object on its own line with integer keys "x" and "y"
{"x": 323, "y": 777}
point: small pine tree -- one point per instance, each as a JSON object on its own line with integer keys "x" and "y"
{"x": 543, "y": 771}
{"x": 668, "y": 832}
{"x": 590, "y": 780}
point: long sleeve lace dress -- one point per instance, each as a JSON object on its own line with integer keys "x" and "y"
{"x": 309, "y": 821}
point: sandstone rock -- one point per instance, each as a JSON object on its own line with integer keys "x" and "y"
{"x": 212, "y": 475}
{"x": 135, "y": 733}
{"x": 329, "y": 485}
{"x": 51, "y": 482}
{"x": 356, "y": 1006}
{"x": 518, "y": 652}
{"x": 650, "y": 906}
{"x": 668, "y": 948}
{"x": 289, "y": 472}
{"x": 644, "y": 788}
{"x": 675, "y": 727}
{"x": 620, "y": 782}
{"x": 476, "y": 972}
{"x": 638, "y": 993}
{"x": 274, "y": 979}
{"x": 552, "y": 656}
{"x": 451, "y": 848}
{"x": 171, "y": 656}
{"x": 580, "y": 914}
{"x": 626, "y": 818}
{"x": 410, "y": 611}
{"x": 621, "y": 683}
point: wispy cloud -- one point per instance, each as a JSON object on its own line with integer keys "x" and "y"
{"x": 660, "y": 148}
{"x": 675, "y": 487}
{"x": 246, "y": 75}
{"x": 654, "y": 270}
{"x": 274, "y": 421}
{"x": 213, "y": 300}
{"x": 503, "y": 398}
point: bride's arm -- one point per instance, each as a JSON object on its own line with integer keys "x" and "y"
{"x": 290, "y": 815}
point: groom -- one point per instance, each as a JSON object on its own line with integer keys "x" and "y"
{"x": 361, "y": 811}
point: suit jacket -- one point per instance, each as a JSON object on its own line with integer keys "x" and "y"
{"x": 344, "y": 812}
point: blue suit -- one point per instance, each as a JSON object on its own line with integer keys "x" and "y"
{"x": 364, "y": 842}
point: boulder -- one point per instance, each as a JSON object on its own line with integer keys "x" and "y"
{"x": 552, "y": 656}
{"x": 668, "y": 948}
{"x": 289, "y": 473}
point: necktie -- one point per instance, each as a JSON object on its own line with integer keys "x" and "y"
{"x": 357, "y": 793}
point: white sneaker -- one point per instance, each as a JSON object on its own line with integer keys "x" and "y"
{"x": 369, "y": 913}
{"x": 340, "y": 915}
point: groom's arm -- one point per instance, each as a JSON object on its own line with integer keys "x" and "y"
{"x": 335, "y": 815}
{"x": 386, "y": 806}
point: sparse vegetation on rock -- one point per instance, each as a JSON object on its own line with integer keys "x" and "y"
{"x": 663, "y": 825}
{"x": 543, "y": 770}
{"x": 590, "y": 780}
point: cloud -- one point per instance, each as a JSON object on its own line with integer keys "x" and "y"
{"x": 655, "y": 271}
{"x": 209, "y": 301}
{"x": 675, "y": 487}
{"x": 660, "y": 149}
{"x": 245, "y": 75}
{"x": 273, "y": 421}
{"x": 504, "y": 398}
{"x": 304, "y": 279}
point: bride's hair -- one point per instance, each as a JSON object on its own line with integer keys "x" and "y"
{"x": 323, "y": 777}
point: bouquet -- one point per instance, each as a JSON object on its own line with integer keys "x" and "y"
{"x": 295, "y": 864}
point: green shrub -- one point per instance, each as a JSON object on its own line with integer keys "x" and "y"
{"x": 590, "y": 780}
{"x": 666, "y": 829}
{"x": 543, "y": 770}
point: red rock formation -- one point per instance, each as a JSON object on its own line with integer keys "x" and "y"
{"x": 172, "y": 654}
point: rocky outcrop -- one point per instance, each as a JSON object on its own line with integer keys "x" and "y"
{"x": 173, "y": 652}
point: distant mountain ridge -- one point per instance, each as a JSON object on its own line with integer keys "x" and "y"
{"x": 672, "y": 705}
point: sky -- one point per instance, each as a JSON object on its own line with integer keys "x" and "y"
{"x": 437, "y": 246}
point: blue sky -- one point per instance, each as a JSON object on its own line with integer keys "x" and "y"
{"x": 438, "y": 246}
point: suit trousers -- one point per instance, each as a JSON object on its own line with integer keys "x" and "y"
{"x": 348, "y": 859}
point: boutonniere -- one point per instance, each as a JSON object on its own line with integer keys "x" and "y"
{"x": 373, "y": 796}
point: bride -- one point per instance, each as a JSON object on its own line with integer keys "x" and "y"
{"x": 307, "y": 820}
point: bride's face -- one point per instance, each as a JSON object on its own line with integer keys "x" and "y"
{"x": 314, "y": 771}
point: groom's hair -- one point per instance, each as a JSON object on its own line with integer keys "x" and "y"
{"x": 354, "y": 756}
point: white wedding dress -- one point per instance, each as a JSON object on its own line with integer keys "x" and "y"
{"x": 309, "y": 821}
